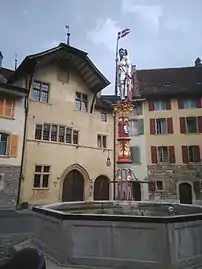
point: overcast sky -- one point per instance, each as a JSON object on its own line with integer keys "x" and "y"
{"x": 164, "y": 33}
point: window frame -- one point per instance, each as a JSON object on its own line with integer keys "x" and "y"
{"x": 196, "y": 125}
{"x": 7, "y": 143}
{"x": 189, "y": 103}
{"x": 40, "y": 91}
{"x": 161, "y": 105}
{"x": 103, "y": 116}
{"x": 81, "y": 100}
{"x": 102, "y": 141}
{"x": 160, "y": 120}
{"x": 158, "y": 155}
{"x": 42, "y": 173}
{"x": 4, "y": 105}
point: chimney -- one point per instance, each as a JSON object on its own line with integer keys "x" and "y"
{"x": 1, "y": 59}
{"x": 198, "y": 62}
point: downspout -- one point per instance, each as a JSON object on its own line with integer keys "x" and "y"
{"x": 114, "y": 157}
{"x": 26, "y": 107}
{"x": 93, "y": 102}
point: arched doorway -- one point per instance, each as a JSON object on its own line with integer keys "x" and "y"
{"x": 101, "y": 188}
{"x": 136, "y": 191}
{"x": 185, "y": 193}
{"x": 73, "y": 187}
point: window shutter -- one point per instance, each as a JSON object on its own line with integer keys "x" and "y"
{"x": 141, "y": 126}
{"x": 13, "y": 145}
{"x": 182, "y": 125}
{"x": 151, "y": 186}
{"x": 9, "y": 108}
{"x": 170, "y": 125}
{"x": 1, "y": 107}
{"x": 180, "y": 104}
{"x": 168, "y": 104}
{"x": 185, "y": 155}
{"x": 198, "y": 103}
{"x": 172, "y": 154}
{"x": 154, "y": 154}
{"x": 197, "y": 153}
{"x": 135, "y": 155}
{"x": 151, "y": 105}
{"x": 199, "y": 119}
{"x": 152, "y": 127}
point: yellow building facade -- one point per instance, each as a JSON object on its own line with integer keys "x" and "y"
{"x": 69, "y": 135}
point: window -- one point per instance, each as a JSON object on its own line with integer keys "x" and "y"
{"x": 56, "y": 133}
{"x": 161, "y": 126}
{"x": 103, "y": 116}
{"x": 61, "y": 134}
{"x": 160, "y": 105}
{"x": 190, "y": 125}
{"x": 1, "y": 182}
{"x": 102, "y": 141}
{"x": 159, "y": 185}
{"x": 81, "y": 101}
{"x": 40, "y": 91}
{"x": 4, "y": 139}
{"x": 46, "y": 132}
{"x": 41, "y": 176}
{"x": 38, "y": 131}
{"x": 68, "y": 135}
{"x": 6, "y": 108}
{"x": 137, "y": 110}
{"x": 135, "y": 155}
{"x": 163, "y": 154}
{"x": 191, "y": 154}
{"x": 189, "y": 103}
{"x": 136, "y": 127}
{"x": 75, "y": 137}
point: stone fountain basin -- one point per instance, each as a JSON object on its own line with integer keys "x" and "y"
{"x": 120, "y": 234}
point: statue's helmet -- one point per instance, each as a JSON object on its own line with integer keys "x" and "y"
{"x": 123, "y": 52}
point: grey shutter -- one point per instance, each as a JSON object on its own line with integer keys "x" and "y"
{"x": 141, "y": 127}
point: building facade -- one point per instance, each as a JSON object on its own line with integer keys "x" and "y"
{"x": 12, "y": 121}
{"x": 69, "y": 133}
{"x": 173, "y": 128}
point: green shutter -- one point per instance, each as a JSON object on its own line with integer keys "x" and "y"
{"x": 141, "y": 127}
{"x": 135, "y": 155}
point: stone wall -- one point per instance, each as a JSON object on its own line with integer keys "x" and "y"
{"x": 9, "y": 185}
{"x": 172, "y": 175}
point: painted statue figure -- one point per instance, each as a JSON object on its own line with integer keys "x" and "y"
{"x": 124, "y": 75}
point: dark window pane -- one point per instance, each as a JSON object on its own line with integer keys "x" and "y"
{"x": 84, "y": 106}
{"x": 38, "y": 131}
{"x": 36, "y": 95}
{"x": 85, "y": 97}
{"x": 46, "y": 169}
{"x": 78, "y": 95}
{"x": 37, "y": 179}
{"x": 68, "y": 135}
{"x": 38, "y": 168}
{"x": 45, "y": 181}
{"x": 54, "y": 132}
{"x": 75, "y": 137}
{"x": 61, "y": 133}
{"x": 104, "y": 139}
{"x": 191, "y": 125}
{"x": 3, "y": 143}
{"x": 46, "y": 132}
{"x": 99, "y": 141}
{"x": 45, "y": 87}
{"x": 78, "y": 104}
{"x": 44, "y": 97}
{"x": 37, "y": 85}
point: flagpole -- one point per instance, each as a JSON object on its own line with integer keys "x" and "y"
{"x": 116, "y": 98}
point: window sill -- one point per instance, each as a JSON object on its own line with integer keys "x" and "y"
{"x": 7, "y": 118}
{"x": 40, "y": 102}
{"x": 5, "y": 156}
{"x": 41, "y": 189}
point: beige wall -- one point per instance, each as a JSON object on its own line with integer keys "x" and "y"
{"x": 176, "y": 139}
{"x": 14, "y": 126}
{"x": 61, "y": 110}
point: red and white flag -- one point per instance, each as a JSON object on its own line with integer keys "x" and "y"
{"x": 123, "y": 33}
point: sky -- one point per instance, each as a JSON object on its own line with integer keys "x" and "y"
{"x": 164, "y": 33}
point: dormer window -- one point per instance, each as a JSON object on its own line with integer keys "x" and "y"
{"x": 81, "y": 101}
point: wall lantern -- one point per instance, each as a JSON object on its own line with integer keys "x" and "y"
{"x": 108, "y": 162}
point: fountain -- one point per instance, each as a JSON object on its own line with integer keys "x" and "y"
{"x": 121, "y": 233}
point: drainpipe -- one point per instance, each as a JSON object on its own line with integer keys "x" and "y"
{"x": 26, "y": 107}
{"x": 93, "y": 102}
{"x": 114, "y": 162}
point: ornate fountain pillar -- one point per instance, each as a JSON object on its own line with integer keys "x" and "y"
{"x": 123, "y": 110}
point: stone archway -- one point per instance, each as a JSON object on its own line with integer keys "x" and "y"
{"x": 136, "y": 191}
{"x": 73, "y": 183}
{"x": 101, "y": 188}
{"x": 185, "y": 193}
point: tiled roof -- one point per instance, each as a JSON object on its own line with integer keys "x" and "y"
{"x": 170, "y": 81}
